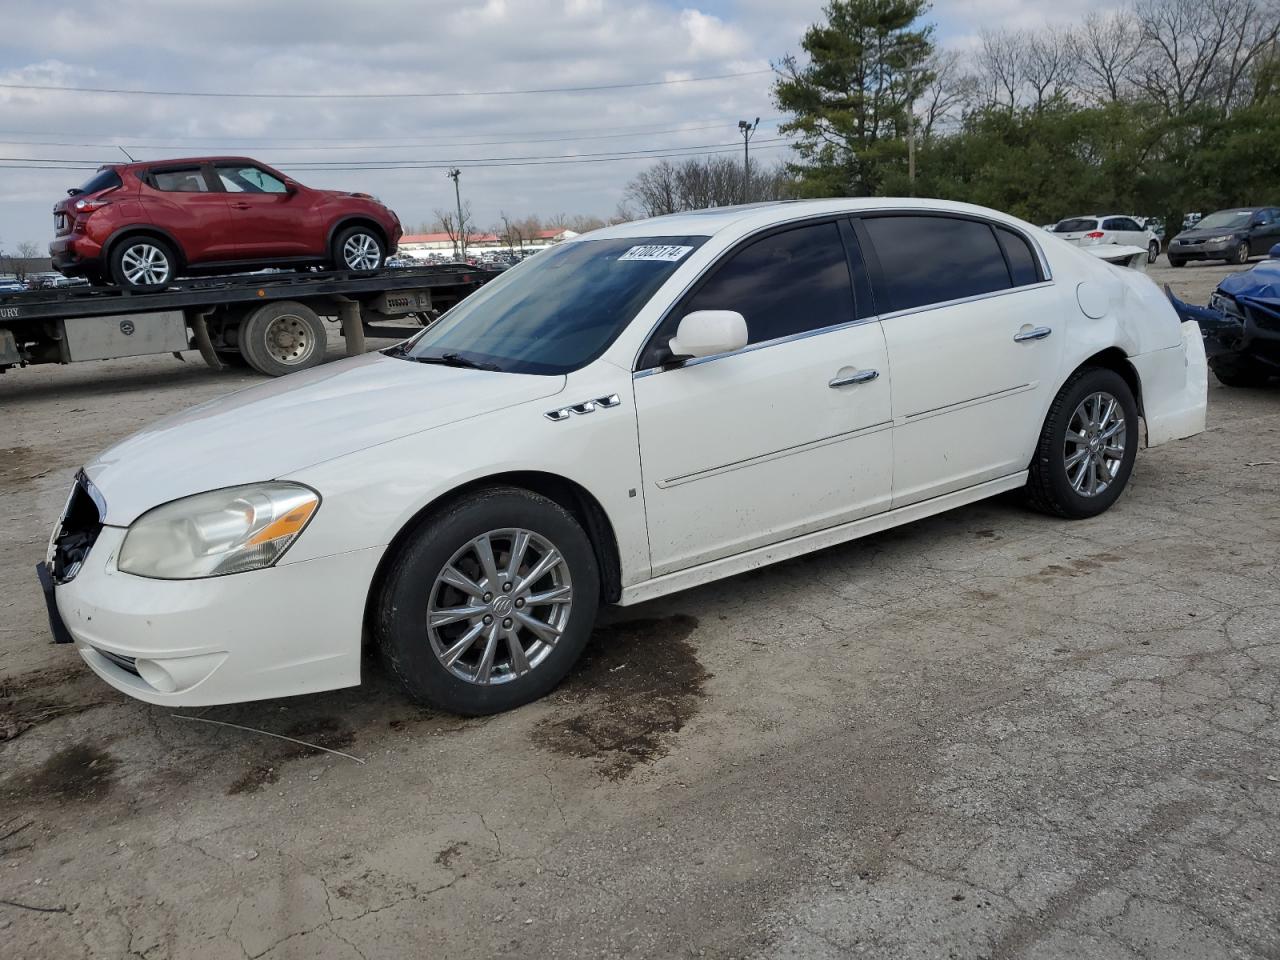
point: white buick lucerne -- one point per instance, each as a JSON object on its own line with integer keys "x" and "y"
{"x": 638, "y": 410}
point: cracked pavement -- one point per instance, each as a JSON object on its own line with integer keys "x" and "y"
{"x": 990, "y": 734}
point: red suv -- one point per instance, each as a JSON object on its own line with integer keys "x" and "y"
{"x": 143, "y": 224}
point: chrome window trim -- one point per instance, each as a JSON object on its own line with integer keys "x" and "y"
{"x": 880, "y": 318}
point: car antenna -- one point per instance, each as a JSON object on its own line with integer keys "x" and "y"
{"x": 126, "y": 153}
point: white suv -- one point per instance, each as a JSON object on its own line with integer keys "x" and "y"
{"x": 1124, "y": 231}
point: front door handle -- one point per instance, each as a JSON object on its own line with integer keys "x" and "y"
{"x": 242, "y": 206}
{"x": 862, "y": 376}
{"x": 1039, "y": 333}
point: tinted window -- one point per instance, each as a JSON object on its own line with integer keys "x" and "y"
{"x": 102, "y": 180}
{"x": 1022, "y": 261}
{"x": 1115, "y": 223}
{"x": 1078, "y": 225}
{"x": 242, "y": 179}
{"x": 190, "y": 180}
{"x": 559, "y": 309}
{"x": 786, "y": 283}
{"x": 933, "y": 259}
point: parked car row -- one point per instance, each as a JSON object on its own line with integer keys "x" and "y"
{"x": 145, "y": 224}
{"x": 1232, "y": 235}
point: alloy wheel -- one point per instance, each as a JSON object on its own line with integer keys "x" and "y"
{"x": 360, "y": 252}
{"x": 145, "y": 264}
{"x": 499, "y": 606}
{"x": 1095, "y": 444}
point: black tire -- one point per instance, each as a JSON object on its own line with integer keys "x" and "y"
{"x": 366, "y": 236}
{"x": 1153, "y": 251}
{"x": 131, "y": 249}
{"x": 401, "y": 611}
{"x": 282, "y": 337}
{"x": 1240, "y": 372}
{"x": 1049, "y": 487}
{"x": 1241, "y": 253}
{"x": 1176, "y": 262}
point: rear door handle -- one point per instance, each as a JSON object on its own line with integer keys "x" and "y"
{"x": 862, "y": 376}
{"x": 1039, "y": 333}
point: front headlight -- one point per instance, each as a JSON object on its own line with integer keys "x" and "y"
{"x": 216, "y": 533}
{"x": 1226, "y": 238}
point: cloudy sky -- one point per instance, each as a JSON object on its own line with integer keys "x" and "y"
{"x": 511, "y": 147}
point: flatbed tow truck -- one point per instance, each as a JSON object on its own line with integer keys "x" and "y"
{"x": 271, "y": 321}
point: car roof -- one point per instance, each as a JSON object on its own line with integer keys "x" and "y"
{"x": 752, "y": 216}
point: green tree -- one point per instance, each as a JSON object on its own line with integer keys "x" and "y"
{"x": 852, "y": 102}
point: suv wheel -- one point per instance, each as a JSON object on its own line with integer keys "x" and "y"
{"x": 358, "y": 248}
{"x": 282, "y": 337}
{"x": 142, "y": 262}
{"x": 1153, "y": 251}
{"x": 489, "y": 603}
{"x": 1087, "y": 446}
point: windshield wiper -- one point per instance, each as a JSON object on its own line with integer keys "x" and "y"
{"x": 456, "y": 360}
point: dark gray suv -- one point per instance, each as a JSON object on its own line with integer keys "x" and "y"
{"x": 1230, "y": 235}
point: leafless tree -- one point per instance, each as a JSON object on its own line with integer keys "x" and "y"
{"x": 1001, "y": 60}
{"x": 697, "y": 183}
{"x": 1108, "y": 47}
{"x": 511, "y": 235}
{"x": 655, "y": 191}
{"x": 1201, "y": 52}
{"x": 458, "y": 232}
{"x": 1050, "y": 61}
{"x": 949, "y": 91}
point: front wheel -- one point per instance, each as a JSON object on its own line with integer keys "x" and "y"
{"x": 489, "y": 603}
{"x": 358, "y": 248}
{"x": 1241, "y": 254}
{"x": 1175, "y": 262}
{"x": 1240, "y": 372}
{"x": 1087, "y": 446}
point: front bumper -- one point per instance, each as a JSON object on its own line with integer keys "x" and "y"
{"x": 1202, "y": 251}
{"x": 282, "y": 631}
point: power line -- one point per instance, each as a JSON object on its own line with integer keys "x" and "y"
{"x": 399, "y": 145}
{"x": 229, "y": 95}
{"x": 33, "y": 163}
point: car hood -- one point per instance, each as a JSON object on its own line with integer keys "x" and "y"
{"x": 1198, "y": 234}
{"x": 279, "y": 427}
{"x": 1260, "y": 283}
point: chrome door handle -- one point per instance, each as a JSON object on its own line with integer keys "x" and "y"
{"x": 1039, "y": 333}
{"x": 862, "y": 376}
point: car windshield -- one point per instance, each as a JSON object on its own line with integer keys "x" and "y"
{"x": 1076, "y": 226}
{"x": 1225, "y": 220}
{"x": 556, "y": 311}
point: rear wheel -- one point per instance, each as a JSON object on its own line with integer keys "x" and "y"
{"x": 1240, "y": 371}
{"x": 1087, "y": 446}
{"x": 489, "y": 603}
{"x": 283, "y": 337}
{"x": 1153, "y": 251}
{"x": 358, "y": 248}
{"x": 142, "y": 262}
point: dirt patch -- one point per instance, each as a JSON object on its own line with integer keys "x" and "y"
{"x": 82, "y": 772}
{"x": 21, "y": 465}
{"x": 639, "y": 683}
{"x": 322, "y": 731}
{"x": 450, "y": 853}
{"x": 36, "y": 698}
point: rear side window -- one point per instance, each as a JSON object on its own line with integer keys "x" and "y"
{"x": 1022, "y": 261}
{"x": 187, "y": 180}
{"x": 1078, "y": 225}
{"x": 783, "y": 284}
{"x": 925, "y": 259}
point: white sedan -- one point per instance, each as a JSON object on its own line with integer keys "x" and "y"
{"x": 638, "y": 410}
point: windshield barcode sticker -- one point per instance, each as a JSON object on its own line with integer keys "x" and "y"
{"x": 668, "y": 254}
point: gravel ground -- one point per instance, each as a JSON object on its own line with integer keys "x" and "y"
{"x": 988, "y": 734}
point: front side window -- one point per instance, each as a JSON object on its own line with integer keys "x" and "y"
{"x": 783, "y": 284}
{"x": 186, "y": 180}
{"x": 557, "y": 310}
{"x": 242, "y": 179}
{"x": 933, "y": 259}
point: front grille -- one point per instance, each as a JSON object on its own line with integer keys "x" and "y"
{"x": 128, "y": 664}
{"x": 77, "y": 531}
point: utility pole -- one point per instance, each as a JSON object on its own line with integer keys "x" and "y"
{"x": 911, "y": 146}
{"x": 460, "y": 244}
{"x": 747, "y": 130}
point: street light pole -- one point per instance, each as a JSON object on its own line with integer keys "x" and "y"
{"x": 747, "y": 130}
{"x": 460, "y": 245}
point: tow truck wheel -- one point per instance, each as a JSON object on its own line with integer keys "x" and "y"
{"x": 283, "y": 337}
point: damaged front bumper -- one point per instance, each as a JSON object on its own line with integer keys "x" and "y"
{"x": 1235, "y": 326}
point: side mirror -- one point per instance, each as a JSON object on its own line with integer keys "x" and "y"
{"x": 705, "y": 333}
{"x": 290, "y": 186}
